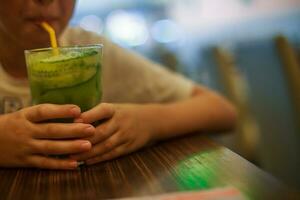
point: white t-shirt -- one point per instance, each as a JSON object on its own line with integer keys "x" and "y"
{"x": 126, "y": 77}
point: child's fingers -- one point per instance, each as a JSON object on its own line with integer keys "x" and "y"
{"x": 51, "y": 163}
{"x": 104, "y": 131}
{"x": 63, "y": 131}
{"x": 114, "y": 153}
{"x": 101, "y": 147}
{"x": 100, "y": 112}
{"x": 45, "y": 112}
{"x": 60, "y": 147}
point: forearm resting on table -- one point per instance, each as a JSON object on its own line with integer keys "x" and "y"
{"x": 205, "y": 111}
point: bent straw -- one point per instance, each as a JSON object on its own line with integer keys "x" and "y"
{"x": 52, "y": 35}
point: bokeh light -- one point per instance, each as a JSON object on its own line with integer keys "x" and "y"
{"x": 92, "y": 23}
{"x": 128, "y": 29}
{"x": 166, "y": 31}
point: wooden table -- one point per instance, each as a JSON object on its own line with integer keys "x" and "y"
{"x": 189, "y": 163}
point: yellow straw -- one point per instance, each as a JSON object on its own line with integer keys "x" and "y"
{"x": 52, "y": 35}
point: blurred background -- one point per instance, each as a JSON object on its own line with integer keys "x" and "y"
{"x": 249, "y": 50}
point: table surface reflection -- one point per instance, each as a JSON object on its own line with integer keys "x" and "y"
{"x": 182, "y": 164}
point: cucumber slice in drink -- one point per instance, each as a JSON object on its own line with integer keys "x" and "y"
{"x": 85, "y": 95}
{"x": 64, "y": 70}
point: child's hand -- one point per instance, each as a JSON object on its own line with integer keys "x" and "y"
{"x": 126, "y": 129}
{"x": 24, "y": 142}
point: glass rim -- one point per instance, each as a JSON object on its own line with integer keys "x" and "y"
{"x": 63, "y": 47}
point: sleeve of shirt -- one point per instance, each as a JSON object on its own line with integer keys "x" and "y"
{"x": 129, "y": 77}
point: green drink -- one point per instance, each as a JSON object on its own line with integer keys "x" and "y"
{"x": 66, "y": 75}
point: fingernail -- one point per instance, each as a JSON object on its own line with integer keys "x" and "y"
{"x": 89, "y": 130}
{"x": 76, "y": 111}
{"x": 86, "y": 145}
